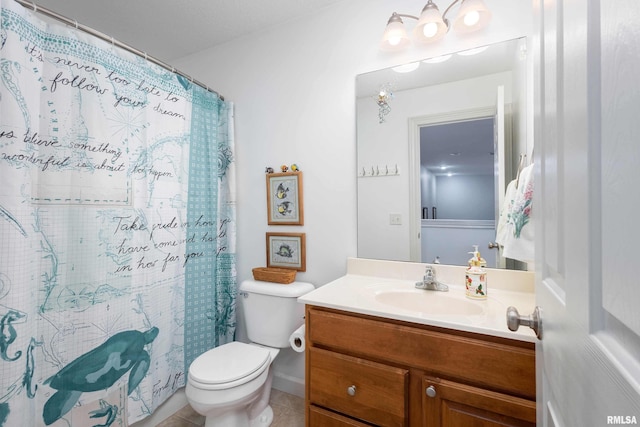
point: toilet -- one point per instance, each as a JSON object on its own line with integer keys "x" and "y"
{"x": 230, "y": 385}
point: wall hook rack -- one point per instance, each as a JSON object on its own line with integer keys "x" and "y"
{"x": 378, "y": 170}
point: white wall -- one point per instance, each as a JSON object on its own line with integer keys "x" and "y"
{"x": 294, "y": 91}
{"x": 465, "y": 197}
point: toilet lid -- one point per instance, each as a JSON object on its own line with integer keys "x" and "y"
{"x": 229, "y": 362}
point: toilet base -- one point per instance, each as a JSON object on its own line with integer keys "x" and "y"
{"x": 241, "y": 419}
{"x": 264, "y": 419}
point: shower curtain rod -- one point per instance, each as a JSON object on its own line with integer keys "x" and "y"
{"x": 89, "y": 30}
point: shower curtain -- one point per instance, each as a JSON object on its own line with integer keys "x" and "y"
{"x": 117, "y": 227}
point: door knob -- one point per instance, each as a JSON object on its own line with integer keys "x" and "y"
{"x": 514, "y": 320}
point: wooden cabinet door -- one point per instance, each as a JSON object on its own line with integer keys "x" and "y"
{"x": 449, "y": 404}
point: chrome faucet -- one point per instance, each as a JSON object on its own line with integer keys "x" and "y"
{"x": 429, "y": 281}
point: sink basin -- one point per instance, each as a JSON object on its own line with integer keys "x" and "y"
{"x": 429, "y": 302}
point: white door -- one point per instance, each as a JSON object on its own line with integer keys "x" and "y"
{"x": 587, "y": 211}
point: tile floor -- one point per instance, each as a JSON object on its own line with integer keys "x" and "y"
{"x": 288, "y": 411}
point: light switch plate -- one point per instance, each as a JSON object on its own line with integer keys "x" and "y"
{"x": 395, "y": 219}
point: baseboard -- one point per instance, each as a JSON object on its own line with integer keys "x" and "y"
{"x": 288, "y": 384}
{"x": 172, "y": 405}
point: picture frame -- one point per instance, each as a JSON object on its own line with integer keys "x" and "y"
{"x": 284, "y": 199}
{"x": 287, "y": 250}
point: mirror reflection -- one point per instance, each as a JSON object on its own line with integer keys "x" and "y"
{"x": 437, "y": 143}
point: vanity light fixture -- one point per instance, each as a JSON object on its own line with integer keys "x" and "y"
{"x": 472, "y": 15}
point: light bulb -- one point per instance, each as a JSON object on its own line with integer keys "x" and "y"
{"x": 394, "y": 41}
{"x": 471, "y": 18}
{"x": 430, "y": 29}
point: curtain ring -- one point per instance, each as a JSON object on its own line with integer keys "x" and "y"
{"x": 112, "y": 42}
{"x": 75, "y": 23}
{"x": 35, "y": 7}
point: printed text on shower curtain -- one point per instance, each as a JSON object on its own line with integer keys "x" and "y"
{"x": 117, "y": 264}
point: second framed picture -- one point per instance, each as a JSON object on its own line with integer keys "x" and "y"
{"x": 284, "y": 199}
{"x": 286, "y": 250}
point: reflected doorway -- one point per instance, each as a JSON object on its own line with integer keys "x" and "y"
{"x": 499, "y": 163}
{"x": 457, "y": 190}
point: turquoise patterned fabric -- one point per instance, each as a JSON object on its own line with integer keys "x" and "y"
{"x": 117, "y": 227}
{"x": 209, "y": 298}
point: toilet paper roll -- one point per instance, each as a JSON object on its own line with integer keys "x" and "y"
{"x": 296, "y": 340}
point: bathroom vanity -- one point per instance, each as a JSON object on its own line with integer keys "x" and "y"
{"x": 375, "y": 357}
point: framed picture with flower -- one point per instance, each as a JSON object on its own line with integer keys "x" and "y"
{"x": 284, "y": 199}
{"x": 287, "y": 250}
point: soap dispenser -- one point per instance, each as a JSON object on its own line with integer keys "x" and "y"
{"x": 476, "y": 276}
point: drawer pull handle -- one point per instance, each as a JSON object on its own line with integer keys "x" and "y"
{"x": 431, "y": 391}
{"x": 351, "y": 391}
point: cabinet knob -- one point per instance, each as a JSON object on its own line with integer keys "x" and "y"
{"x": 431, "y": 391}
{"x": 351, "y": 390}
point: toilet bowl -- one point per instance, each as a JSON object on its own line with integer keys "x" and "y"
{"x": 230, "y": 385}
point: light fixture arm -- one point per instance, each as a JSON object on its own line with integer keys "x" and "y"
{"x": 446, "y": 21}
{"x": 406, "y": 16}
{"x": 395, "y": 17}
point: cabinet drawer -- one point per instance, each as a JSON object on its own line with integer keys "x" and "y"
{"x": 319, "y": 417}
{"x": 366, "y": 390}
{"x": 495, "y": 363}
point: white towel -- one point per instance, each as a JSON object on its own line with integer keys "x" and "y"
{"x": 518, "y": 232}
{"x": 509, "y": 197}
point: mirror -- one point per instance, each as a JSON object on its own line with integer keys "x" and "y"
{"x": 446, "y": 106}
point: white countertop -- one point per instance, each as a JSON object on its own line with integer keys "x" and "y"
{"x": 395, "y": 298}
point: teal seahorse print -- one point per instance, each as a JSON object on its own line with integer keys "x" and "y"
{"x": 99, "y": 369}
{"x": 8, "y": 334}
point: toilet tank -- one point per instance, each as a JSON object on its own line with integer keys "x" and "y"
{"x": 271, "y": 310}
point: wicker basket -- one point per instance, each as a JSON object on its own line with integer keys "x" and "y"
{"x": 276, "y": 275}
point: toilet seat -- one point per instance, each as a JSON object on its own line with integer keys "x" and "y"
{"x": 229, "y": 365}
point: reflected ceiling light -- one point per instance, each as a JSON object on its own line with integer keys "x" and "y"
{"x": 472, "y": 15}
{"x": 406, "y": 68}
{"x": 437, "y": 59}
{"x": 474, "y": 51}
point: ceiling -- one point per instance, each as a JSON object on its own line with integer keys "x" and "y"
{"x": 458, "y": 148}
{"x": 171, "y": 29}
